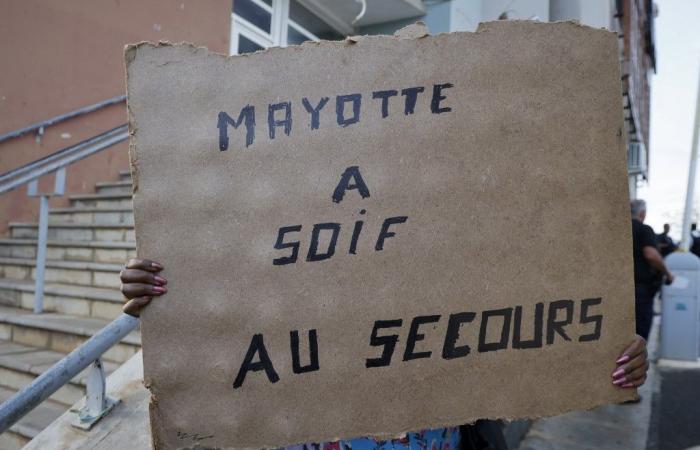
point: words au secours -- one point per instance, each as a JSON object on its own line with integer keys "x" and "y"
{"x": 387, "y": 334}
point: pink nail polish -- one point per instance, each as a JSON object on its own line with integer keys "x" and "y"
{"x": 619, "y": 381}
{"x": 160, "y": 280}
{"x": 160, "y": 290}
{"x": 628, "y": 385}
{"x": 623, "y": 359}
{"x": 618, "y": 373}
{"x": 156, "y": 265}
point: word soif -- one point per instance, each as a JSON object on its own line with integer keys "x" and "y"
{"x": 348, "y": 109}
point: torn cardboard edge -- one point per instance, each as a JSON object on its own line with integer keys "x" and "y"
{"x": 417, "y": 30}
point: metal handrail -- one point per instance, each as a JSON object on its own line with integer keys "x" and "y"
{"x": 39, "y": 126}
{"x": 23, "y": 401}
{"x": 97, "y": 404}
{"x": 62, "y": 158}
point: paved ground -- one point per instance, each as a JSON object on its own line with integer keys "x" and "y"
{"x": 610, "y": 427}
{"x": 677, "y": 419}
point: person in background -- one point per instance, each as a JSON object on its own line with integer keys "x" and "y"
{"x": 142, "y": 282}
{"x": 666, "y": 244}
{"x": 694, "y": 240}
{"x": 648, "y": 266}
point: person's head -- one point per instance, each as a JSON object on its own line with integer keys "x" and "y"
{"x": 667, "y": 228}
{"x": 639, "y": 209}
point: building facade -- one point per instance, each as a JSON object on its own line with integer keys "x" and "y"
{"x": 69, "y": 54}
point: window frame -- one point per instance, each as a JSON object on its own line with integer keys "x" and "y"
{"x": 279, "y": 24}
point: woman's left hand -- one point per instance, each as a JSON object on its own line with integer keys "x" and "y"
{"x": 632, "y": 365}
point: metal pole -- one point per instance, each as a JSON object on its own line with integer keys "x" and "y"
{"x": 41, "y": 254}
{"x": 14, "y": 408}
{"x": 687, "y": 240}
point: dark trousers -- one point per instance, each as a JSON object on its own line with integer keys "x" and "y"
{"x": 644, "y": 308}
{"x": 482, "y": 435}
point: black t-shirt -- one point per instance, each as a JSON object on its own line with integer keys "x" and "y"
{"x": 642, "y": 236}
{"x": 665, "y": 244}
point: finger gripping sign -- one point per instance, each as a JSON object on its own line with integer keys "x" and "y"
{"x": 380, "y": 235}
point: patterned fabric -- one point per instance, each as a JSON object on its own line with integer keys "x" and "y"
{"x": 437, "y": 439}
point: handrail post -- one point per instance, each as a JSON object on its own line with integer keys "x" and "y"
{"x": 41, "y": 254}
{"x": 15, "y": 407}
{"x": 97, "y": 403}
{"x": 42, "y": 237}
{"x": 43, "y": 233}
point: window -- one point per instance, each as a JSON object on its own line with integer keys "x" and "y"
{"x": 258, "y": 24}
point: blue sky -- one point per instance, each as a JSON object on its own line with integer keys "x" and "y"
{"x": 674, "y": 90}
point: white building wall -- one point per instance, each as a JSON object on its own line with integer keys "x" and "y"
{"x": 594, "y": 13}
{"x": 465, "y": 15}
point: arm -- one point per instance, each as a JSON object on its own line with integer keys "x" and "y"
{"x": 653, "y": 257}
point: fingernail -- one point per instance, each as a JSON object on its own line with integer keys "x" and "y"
{"x": 160, "y": 290}
{"x": 156, "y": 265}
{"x": 619, "y": 381}
{"x": 160, "y": 280}
{"x": 628, "y": 385}
{"x": 618, "y": 373}
{"x": 623, "y": 359}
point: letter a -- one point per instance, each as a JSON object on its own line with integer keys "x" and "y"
{"x": 352, "y": 172}
{"x": 256, "y": 347}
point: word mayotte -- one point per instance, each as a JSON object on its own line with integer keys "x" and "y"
{"x": 348, "y": 109}
{"x": 507, "y": 323}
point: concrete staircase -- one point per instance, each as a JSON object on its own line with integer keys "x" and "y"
{"x": 88, "y": 244}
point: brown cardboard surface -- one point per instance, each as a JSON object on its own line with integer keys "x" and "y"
{"x": 508, "y": 194}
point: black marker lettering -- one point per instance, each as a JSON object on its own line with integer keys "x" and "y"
{"x": 314, "y": 111}
{"x": 536, "y": 341}
{"x": 247, "y": 117}
{"x": 411, "y": 95}
{"x": 384, "y": 96}
{"x": 313, "y": 254}
{"x": 385, "y": 233}
{"x": 351, "y": 173}
{"x": 256, "y": 346}
{"x": 438, "y": 97}
{"x": 585, "y": 319}
{"x": 313, "y": 352}
{"x": 355, "y": 236}
{"x": 505, "y": 330}
{"x": 414, "y": 336}
{"x": 274, "y": 123}
{"x": 281, "y": 245}
{"x": 449, "y": 349}
{"x": 388, "y": 342}
{"x": 554, "y": 325}
{"x": 340, "y": 109}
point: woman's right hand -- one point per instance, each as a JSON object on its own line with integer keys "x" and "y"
{"x": 140, "y": 283}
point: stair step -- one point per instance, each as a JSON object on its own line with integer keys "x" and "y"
{"x": 80, "y": 301}
{"x": 68, "y": 272}
{"x": 89, "y": 215}
{"x": 60, "y": 332}
{"x": 97, "y": 251}
{"x": 21, "y": 364}
{"x": 101, "y": 200}
{"x": 31, "y": 424}
{"x": 125, "y": 174}
{"x": 114, "y": 187}
{"x": 75, "y": 231}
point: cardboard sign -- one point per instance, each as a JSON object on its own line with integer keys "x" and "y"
{"x": 380, "y": 235}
